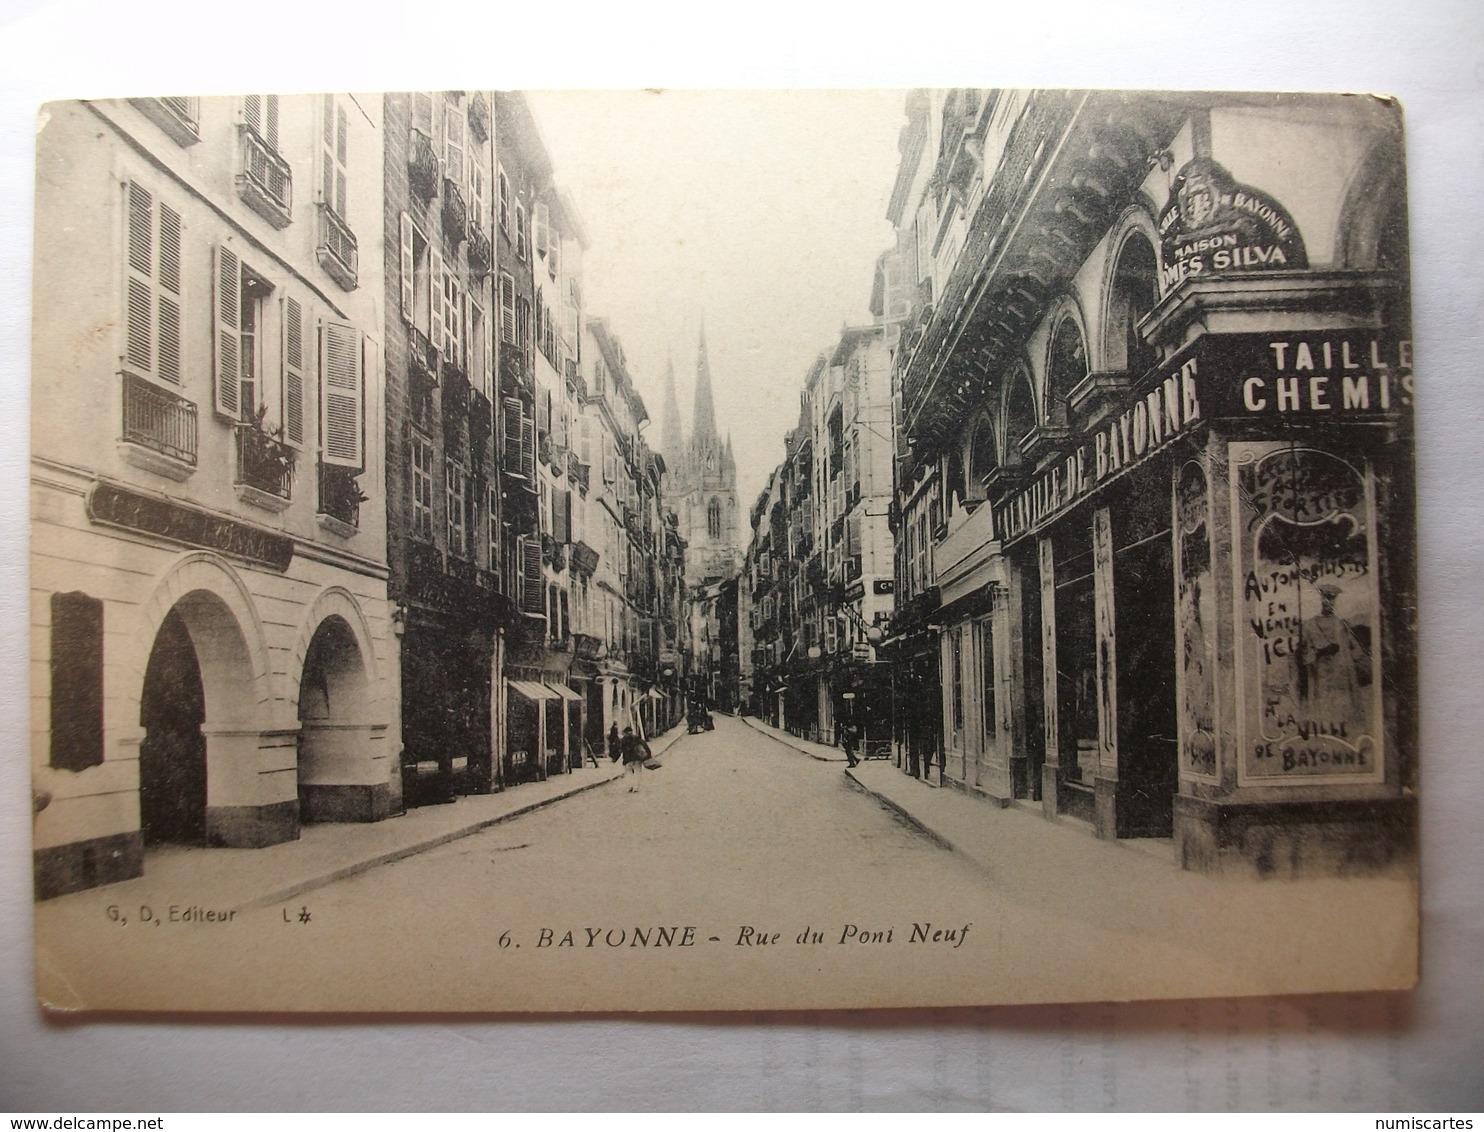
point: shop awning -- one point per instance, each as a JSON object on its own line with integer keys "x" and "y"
{"x": 565, "y": 693}
{"x": 532, "y": 691}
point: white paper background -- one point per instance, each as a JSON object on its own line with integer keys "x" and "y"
{"x": 1344, "y": 1052}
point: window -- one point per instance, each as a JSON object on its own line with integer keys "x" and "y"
{"x": 503, "y": 204}
{"x": 152, "y": 291}
{"x": 1134, "y": 293}
{"x": 333, "y": 154}
{"x": 453, "y": 142}
{"x": 458, "y": 542}
{"x": 1066, "y": 367}
{"x": 241, "y": 302}
{"x": 713, "y": 520}
{"x": 265, "y": 181}
{"x": 451, "y": 333}
{"x": 522, "y": 236}
{"x": 542, "y": 218}
{"x": 986, "y": 668}
{"x": 480, "y": 347}
{"x": 417, "y": 284}
{"x": 77, "y": 681}
{"x": 260, "y": 112}
{"x": 523, "y": 324}
{"x": 422, "y": 488}
{"x": 494, "y": 528}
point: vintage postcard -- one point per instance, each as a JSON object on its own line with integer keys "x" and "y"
{"x": 677, "y": 550}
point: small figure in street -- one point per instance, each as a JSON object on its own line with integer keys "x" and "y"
{"x": 849, "y": 741}
{"x": 613, "y": 744}
{"x": 635, "y": 755}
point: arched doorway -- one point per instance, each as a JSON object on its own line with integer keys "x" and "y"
{"x": 333, "y": 712}
{"x": 172, "y": 754}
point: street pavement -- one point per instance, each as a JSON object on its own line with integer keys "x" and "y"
{"x": 818, "y": 886}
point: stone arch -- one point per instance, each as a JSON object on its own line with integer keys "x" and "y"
{"x": 1131, "y": 289}
{"x": 334, "y": 601}
{"x": 225, "y": 630}
{"x": 1067, "y": 360}
{"x": 1372, "y": 233}
{"x": 1019, "y": 415}
{"x": 981, "y": 454}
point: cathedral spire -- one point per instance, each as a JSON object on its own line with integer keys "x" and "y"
{"x": 703, "y": 419}
{"x": 671, "y": 443}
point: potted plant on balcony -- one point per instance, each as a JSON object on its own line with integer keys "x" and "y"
{"x": 266, "y": 460}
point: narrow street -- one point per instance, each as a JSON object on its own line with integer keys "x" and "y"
{"x": 735, "y": 854}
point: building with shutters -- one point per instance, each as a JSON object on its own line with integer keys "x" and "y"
{"x": 627, "y": 555}
{"x": 212, "y": 660}
{"x": 451, "y": 486}
{"x": 1154, "y": 503}
{"x": 821, "y": 558}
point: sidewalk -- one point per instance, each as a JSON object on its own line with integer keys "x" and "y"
{"x": 325, "y": 853}
{"x": 971, "y": 826}
{"x": 820, "y": 751}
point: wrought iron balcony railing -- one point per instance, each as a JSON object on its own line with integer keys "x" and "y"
{"x": 160, "y": 420}
{"x": 340, "y": 495}
{"x": 422, "y": 166}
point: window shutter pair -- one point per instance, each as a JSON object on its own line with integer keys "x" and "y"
{"x": 153, "y": 290}
{"x": 335, "y": 133}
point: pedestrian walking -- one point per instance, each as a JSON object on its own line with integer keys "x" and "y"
{"x": 849, "y": 741}
{"x": 635, "y": 755}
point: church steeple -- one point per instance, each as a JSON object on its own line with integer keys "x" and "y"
{"x": 728, "y": 463}
{"x": 671, "y": 443}
{"x": 703, "y": 419}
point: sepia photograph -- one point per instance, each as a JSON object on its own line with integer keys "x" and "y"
{"x": 683, "y": 550}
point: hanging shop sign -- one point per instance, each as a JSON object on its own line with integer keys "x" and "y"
{"x": 1214, "y": 225}
{"x": 1309, "y": 678}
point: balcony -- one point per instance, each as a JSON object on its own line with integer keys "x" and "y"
{"x": 178, "y": 117}
{"x": 422, "y": 166}
{"x": 340, "y": 499}
{"x": 336, "y": 248}
{"x": 455, "y": 214}
{"x": 479, "y": 116}
{"x": 266, "y": 182}
{"x": 265, "y": 468}
{"x": 481, "y": 251}
{"x": 159, "y": 432}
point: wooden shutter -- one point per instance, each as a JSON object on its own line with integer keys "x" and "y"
{"x": 436, "y": 323}
{"x": 409, "y": 269}
{"x": 168, "y": 296}
{"x": 227, "y": 308}
{"x": 543, "y": 412}
{"x": 139, "y": 323}
{"x": 507, "y": 308}
{"x": 528, "y": 448}
{"x": 511, "y": 414}
{"x": 252, "y": 112}
{"x": 487, "y": 362}
{"x": 422, "y": 113}
{"x": 541, "y": 215}
{"x": 76, "y": 681}
{"x": 293, "y": 372}
{"x": 342, "y": 396}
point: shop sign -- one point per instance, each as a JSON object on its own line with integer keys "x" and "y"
{"x": 1213, "y": 225}
{"x": 1145, "y": 426}
{"x": 120, "y": 507}
{"x": 1288, "y": 376}
{"x": 1309, "y": 679}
